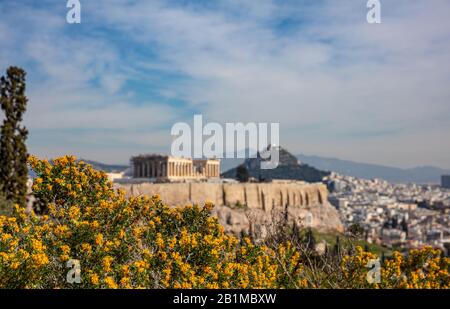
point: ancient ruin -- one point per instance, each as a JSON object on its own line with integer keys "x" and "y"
{"x": 157, "y": 166}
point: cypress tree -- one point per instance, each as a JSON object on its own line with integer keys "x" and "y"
{"x": 310, "y": 240}
{"x": 13, "y": 151}
{"x": 337, "y": 247}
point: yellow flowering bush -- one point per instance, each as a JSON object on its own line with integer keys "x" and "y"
{"x": 139, "y": 242}
{"x": 121, "y": 242}
{"x": 424, "y": 268}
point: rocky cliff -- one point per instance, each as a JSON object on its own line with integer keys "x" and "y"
{"x": 241, "y": 207}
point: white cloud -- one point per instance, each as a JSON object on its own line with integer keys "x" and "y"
{"x": 337, "y": 85}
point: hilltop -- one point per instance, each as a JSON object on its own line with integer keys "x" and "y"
{"x": 288, "y": 168}
{"x": 107, "y": 168}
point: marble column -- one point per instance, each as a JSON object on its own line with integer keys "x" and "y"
{"x": 135, "y": 167}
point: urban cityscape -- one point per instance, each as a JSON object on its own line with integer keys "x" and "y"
{"x": 401, "y": 216}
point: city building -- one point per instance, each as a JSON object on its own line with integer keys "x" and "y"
{"x": 165, "y": 167}
{"x": 112, "y": 176}
{"x": 339, "y": 203}
{"x": 402, "y": 215}
{"x": 445, "y": 181}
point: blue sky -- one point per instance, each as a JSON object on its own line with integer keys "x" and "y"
{"x": 114, "y": 85}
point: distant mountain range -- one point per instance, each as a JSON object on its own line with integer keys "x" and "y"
{"x": 107, "y": 168}
{"x": 419, "y": 175}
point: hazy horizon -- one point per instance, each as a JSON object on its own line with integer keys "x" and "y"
{"x": 295, "y": 154}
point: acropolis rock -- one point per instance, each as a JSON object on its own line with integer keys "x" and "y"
{"x": 244, "y": 206}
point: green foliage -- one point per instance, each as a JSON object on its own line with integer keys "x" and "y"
{"x": 342, "y": 244}
{"x": 6, "y": 207}
{"x": 242, "y": 173}
{"x": 309, "y": 239}
{"x": 13, "y": 151}
{"x": 239, "y": 205}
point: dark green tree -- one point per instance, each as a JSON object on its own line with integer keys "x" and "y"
{"x": 337, "y": 247}
{"x": 366, "y": 248}
{"x": 13, "y": 151}
{"x": 356, "y": 230}
{"x": 242, "y": 174}
{"x": 309, "y": 240}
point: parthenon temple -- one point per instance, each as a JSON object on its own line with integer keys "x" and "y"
{"x": 156, "y": 166}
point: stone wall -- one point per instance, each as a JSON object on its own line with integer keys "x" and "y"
{"x": 245, "y": 206}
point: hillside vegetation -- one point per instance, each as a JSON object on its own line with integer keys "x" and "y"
{"x": 142, "y": 243}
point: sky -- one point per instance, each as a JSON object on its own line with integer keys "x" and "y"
{"x": 114, "y": 85}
